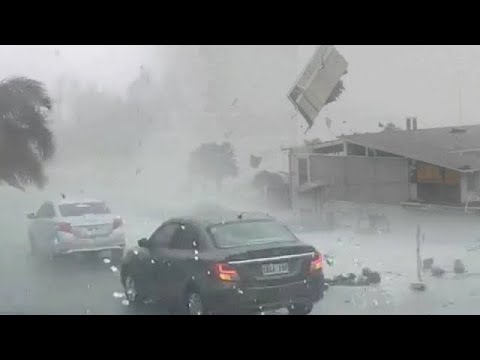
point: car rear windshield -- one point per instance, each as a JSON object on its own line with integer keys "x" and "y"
{"x": 80, "y": 209}
{"x": 251, "y": 233}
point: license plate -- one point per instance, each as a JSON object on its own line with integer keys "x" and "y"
{"x": 274, "y": 269}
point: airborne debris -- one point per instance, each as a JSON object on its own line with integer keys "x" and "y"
{"x": 328, "y": 122}
{"x": 320, "y": 83}
{"x": 255, "y": 161}
{"x": 459, "y": 267}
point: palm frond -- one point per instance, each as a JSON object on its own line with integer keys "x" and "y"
{"x": 26, "y": 142}
{"x": 25, "y": 91}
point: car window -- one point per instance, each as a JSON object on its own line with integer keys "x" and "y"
{"x": 250, "y": 233}
{"x": 85, "y": 208}
{"x": 46, "y": 211}
{"x": 163, "y": 236}
{"x": 185, "y": 238}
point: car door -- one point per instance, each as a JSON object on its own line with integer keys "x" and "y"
{"x": 183, "y": 260}
{"x": 159, "y": 243}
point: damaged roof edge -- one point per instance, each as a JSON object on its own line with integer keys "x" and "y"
{"x": 409, "y": 157}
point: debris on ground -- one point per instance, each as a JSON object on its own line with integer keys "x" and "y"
{"x": 420, "y": 286}
{"x": 368, "y": 277}
{"x": 437, "y": 271}
{"x": 428, "y": 263}
{"x": 449, "y": 303}
{"x": 459, "y": 267}
{"x": 379, "y": 223}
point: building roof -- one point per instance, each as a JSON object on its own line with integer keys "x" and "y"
{"x": 455, "y": 148}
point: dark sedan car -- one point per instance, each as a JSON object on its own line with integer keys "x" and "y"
{"x": 241, "y": 266}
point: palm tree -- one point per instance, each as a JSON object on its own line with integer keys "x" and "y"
{"x": 26, "y": 142}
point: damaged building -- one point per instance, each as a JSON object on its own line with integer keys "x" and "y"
{"x": 438, "y": 166}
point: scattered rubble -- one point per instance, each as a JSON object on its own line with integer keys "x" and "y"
{"x": 420, "y": 286}
{"x": 368, "y": 277}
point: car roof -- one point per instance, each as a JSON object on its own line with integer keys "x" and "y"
{"x": 205, "y": 222}
{"x": 69, "y": 201}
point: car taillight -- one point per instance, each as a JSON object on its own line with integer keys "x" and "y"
{"x": 117, "y": 223}
{"x": 317, "y": 263}
{"x": 226, "y": 272}
{"x": 65, "y": 227}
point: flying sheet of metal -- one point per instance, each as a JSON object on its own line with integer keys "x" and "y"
{"x": 255, "y": 161}
{"x": 317, "y": 82}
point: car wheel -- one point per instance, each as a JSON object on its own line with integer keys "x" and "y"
{"x": 131, "y": 290}
{"x": 195, "y": 305}
{"x": 300, "y": 309}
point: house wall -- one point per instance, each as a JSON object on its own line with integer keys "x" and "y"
{"x": 472, "y": 194}
{"x": 354, "y": 179}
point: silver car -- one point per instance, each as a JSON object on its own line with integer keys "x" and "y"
{"x": 68, "y": 227}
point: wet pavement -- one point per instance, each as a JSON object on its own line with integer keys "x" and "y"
{"x": 92, "y": 287}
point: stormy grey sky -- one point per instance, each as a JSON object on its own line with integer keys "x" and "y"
{"x": 385, "y": 83}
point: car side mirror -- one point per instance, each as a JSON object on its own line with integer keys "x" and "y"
{"x": 31, "y": 216}
{"x": 144, "y": 243}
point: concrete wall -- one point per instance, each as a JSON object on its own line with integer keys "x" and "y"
{"x": 351, "y": 178}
